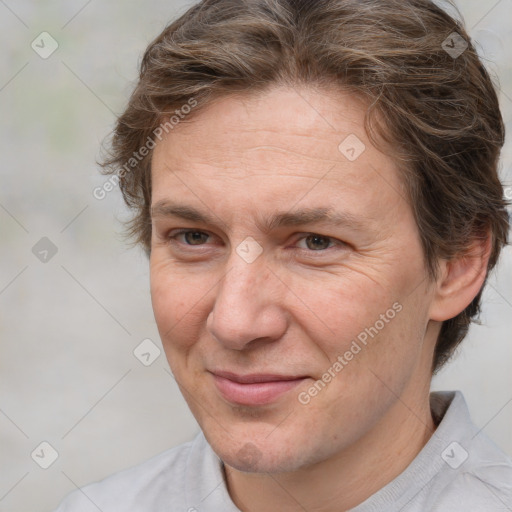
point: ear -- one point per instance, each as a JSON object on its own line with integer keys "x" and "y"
{"x": 460, "y": 280}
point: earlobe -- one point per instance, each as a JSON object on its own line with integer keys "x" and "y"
{"x": 460, "y": 280}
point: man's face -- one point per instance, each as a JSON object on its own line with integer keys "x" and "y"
{"x": 251, "y": 316}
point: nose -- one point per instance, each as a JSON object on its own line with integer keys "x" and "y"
{"x": 248, "y": 307}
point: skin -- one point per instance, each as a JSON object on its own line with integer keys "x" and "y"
{"x": 302, "y": 301}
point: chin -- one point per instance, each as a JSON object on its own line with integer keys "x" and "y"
{"x": 250, "y": 459}
{"x": 263, "y": 454}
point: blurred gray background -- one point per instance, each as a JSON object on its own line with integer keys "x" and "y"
{"x": 71, "y": 319}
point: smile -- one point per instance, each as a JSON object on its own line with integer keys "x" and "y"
{"x": 254, "y": 389}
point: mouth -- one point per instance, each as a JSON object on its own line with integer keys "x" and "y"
{"x": 254, "y": 389}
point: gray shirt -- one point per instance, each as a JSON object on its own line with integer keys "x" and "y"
{"x": 459, "y": 469}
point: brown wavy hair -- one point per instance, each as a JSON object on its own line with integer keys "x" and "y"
{"x": 438, "y": 112}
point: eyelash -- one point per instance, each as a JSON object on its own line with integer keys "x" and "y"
{"x": 172, "y": 236}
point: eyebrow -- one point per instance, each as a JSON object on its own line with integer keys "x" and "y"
{"x": 300, "y": 217}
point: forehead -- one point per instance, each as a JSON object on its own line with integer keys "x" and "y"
{"x": 284, "y": 145}
{"x": 243, "y": 121}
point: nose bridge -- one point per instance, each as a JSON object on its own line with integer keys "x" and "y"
{"x": 240, "y": 291}
{"x": 245, "y": 307}
{"x": 246, "y": 272}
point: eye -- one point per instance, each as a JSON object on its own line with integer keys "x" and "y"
{"x": 318, "y": 243}
{"x": 313, "y": 241}
{"x": 191, "y": 237}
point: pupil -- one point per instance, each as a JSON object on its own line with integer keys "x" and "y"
{"x": 194, "y": 236}
{"x": 316, "y": 238}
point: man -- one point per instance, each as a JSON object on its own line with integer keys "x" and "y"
{"x": 315, "y": 184}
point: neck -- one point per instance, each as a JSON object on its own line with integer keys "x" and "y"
{"x": 349, "y": 478}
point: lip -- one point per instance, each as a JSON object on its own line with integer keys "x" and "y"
{"x": 254, "y": 389}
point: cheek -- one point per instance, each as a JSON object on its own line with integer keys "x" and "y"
{"x": 369, "y": 320}
{"x": 177, "y": 304}
{"x": 339, "y": 309}
{"x": 378, "y": 345}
